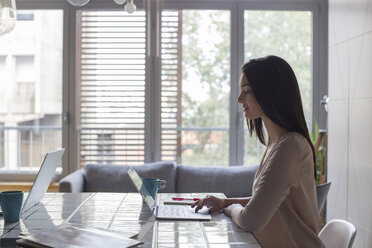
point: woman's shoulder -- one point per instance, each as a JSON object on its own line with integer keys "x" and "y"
{"x": 288, "y": 154}
{"x": 293, "y": 153}
{"x": 294, "y": 142}
{"x": 293, "y": 137}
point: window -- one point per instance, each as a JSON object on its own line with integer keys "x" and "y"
{"x": 25, "y": 15}
{"x": 287, "y": 34}
{"x": 112, "y": 87}
{"x": 31, "y": 86}
{"x": 159, "y": 84}
{"x": 24, "y": 85}
{"x": 195, "y": 86}
{"x": 189, "y": 115}
{"x": 3, "y": 84}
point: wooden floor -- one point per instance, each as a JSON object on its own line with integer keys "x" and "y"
{"x": 24, "y": 186}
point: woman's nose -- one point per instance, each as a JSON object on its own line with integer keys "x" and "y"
{"x": 240, "y": 98}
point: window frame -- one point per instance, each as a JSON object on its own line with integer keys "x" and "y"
{"x": 319, "y": 56}
{"x": 48, "y": 5}
{"x": 149, "y": 78}
{"x": 207, "y": 5}
{"x": 319, "y": 8}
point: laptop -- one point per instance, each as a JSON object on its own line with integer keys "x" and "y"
{"x": 43, "y": 179}
{"x": 167, "y": 212}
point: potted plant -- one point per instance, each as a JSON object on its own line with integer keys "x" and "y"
{"x": 320, "y": 140}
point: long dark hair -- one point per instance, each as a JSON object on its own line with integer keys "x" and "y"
{"x": 276, "y": 90}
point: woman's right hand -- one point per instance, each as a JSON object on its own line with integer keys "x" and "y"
{"x": 213, "y": 203}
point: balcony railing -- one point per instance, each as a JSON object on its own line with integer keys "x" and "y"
{"x": 186, "y": 145}
{"x": 111, "y": 145}
{"x": 22, "y": 148}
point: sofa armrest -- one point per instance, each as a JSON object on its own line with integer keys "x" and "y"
{"x": 73, "y": 182}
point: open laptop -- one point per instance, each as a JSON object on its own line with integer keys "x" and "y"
{"x": 173, "y": 212}
{"x": 43, "y": 179}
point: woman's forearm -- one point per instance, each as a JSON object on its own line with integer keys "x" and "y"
{"x": 242, "y": 201}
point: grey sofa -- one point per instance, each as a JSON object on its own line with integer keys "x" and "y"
{"x": 233, "y": 181}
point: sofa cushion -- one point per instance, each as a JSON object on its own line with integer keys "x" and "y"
{"x": 233, "y": 181}
{"x": 114, "y": 178}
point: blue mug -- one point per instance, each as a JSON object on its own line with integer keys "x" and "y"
{"x": 11, "y": 204}
{"x": 153, "y": 185}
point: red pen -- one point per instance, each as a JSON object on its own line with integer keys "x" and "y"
{"x": 185, "y": 199}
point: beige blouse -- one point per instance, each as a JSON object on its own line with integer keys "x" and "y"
{"x": 282, "y": 211}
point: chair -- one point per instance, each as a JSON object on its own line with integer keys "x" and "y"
{"x": 338, "y": 234}
{"x": 322, "y": 192}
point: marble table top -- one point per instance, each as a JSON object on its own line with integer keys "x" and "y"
{"x": 126, "y": 212}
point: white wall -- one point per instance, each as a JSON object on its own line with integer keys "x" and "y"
{"x": 350, "y": 115}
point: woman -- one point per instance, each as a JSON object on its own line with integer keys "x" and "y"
{"x": 282, "y": 211}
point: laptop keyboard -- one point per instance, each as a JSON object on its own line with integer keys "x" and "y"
{"x": 177, "y": 211}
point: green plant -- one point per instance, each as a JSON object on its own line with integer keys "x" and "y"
{"x": 319, "y": 140}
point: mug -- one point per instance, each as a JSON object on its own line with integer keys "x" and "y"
{"x": 153, "y": 185}
{"x": 11, "y": 204}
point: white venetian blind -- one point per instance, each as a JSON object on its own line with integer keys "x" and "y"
{"x": 111, "y": 76}
{"x": 171, "y": 85}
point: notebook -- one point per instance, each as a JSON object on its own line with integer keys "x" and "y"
{"x": 173, "y": 212}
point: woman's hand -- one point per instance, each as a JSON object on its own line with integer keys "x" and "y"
{"x": 213, "y": 203}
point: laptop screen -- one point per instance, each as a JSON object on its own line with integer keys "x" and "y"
{"x": 43, "y": 178}
{"x": 137, "y": 181}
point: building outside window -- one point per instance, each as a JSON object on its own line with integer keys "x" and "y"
{"x": 31, "y": 90}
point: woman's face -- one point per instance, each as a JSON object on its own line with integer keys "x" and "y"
{"x": 251, "y": 108}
